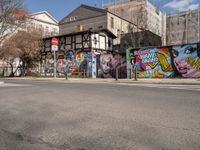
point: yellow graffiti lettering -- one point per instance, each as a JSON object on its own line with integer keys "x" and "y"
{"x": 153, "y": 65}
{"x": 194, "y": 62}
{"x": 164, "y": 63}
{"x": 158, "y": 74}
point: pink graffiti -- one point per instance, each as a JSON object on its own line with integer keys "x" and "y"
{"x": 141, "y": 52}
{"x": 139, "y": 60}
{"x": 185, "y": 69}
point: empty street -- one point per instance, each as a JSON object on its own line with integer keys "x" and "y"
{"x": 47, "y": 115}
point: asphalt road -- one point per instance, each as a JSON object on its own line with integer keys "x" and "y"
{"x": 37, "y": 115}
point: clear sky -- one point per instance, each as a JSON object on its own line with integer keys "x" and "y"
{"x": 60, "y": 8}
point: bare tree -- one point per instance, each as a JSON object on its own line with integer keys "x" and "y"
{"x": 12, "y": 16}
{"x": 24, "y": 45}
{"x": 8, "y": 55}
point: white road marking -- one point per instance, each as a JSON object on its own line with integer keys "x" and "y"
{"x": 13, "y": 85}
{"x": 166, "y": 86}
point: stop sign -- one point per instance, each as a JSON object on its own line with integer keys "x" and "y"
{"x": 54, "y": 41}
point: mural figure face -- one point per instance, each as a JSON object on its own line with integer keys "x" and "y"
{"x": 106, "y": 63}
{"x": 186, "y": 60}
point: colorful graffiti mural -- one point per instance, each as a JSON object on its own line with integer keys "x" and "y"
{"x": 153, "y": 62}
{"x": 186, "y": 60}
{"x": 107, "y": 64}
{"x": 165, "y": 62}
{"x": 71, "y": 61}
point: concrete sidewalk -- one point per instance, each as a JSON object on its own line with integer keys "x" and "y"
{"x": 164, "y": 81}
{"x": 128, "y": 81}
{"x": 143, "y": 81}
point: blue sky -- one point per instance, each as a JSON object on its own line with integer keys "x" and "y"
{"x": 60, "y": 8}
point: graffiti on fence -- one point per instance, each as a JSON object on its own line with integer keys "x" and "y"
{"x": 171, "y": 61}
{"x": 107, "y": 64}
{"x": 153, "y": 62}
{"x": 186, "y": 60}
{"x": 70, "y": 60}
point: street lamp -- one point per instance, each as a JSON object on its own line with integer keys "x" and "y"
{"x": 116, "y": 69}
{"x": 135, "y": 67}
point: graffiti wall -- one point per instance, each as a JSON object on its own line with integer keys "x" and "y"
{"x": 165, "y": 62}
{"x": 71, "y": 61}
{"x": 107, "y": 64}
{"x": 186, "y": 60}
{"x": 153, "y": 62}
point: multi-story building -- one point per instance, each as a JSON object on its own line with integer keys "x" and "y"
{"x": 86, "y": 18}
{"x": 142, "y": 13}
{"x": 39, "y": 20}
{"x": 183, "y": 27}
{"x": 44, "y": 22}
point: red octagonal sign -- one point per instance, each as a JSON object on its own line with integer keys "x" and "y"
{"x": 54, "y": 41}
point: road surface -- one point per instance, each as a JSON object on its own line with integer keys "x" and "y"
{"x": 37, "y": 115}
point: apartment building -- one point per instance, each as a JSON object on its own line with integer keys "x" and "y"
{"x": 183, "y": 27}
{"x": 44, "y": 22}
{"x": 142, "y": 13}
{"x": 90, "y": 18}
{"x": 39, "y": 20}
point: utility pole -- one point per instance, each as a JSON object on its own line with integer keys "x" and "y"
{"x": 135, "y": 67}
{"x": 198, "y": 28}
{"x": 117, "y": 70}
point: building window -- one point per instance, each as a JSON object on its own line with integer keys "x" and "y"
{"x": 54, "y": 30}
{"x": 100, "y": 27}
{"x": 95, "y": 40}
{"x": 40, "y": 26}
{"x": 41, "y": 29}
{"x": 109, "y": 43}
{"x": 32, "y": 25}
{"x": 80, "y": 28}
{"x": 73, "y": 18}
{"x": 112, "y": 22}
{"x": 118, "y": 33}
{"x": 47, "y": 29}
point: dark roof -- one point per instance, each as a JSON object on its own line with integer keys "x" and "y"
{"x": 87, "y": 7}
{"x": 99, "y": 10}
{"x": 93, "y": 8}
{"x": 44, "y": 12}
{"x": 82, "y": 32}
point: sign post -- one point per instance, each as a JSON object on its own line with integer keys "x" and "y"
{"x": 54, "y": 48}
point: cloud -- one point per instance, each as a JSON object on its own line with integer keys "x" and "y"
{"x": 182, "y": 5}
{"x": 193, "y": 6}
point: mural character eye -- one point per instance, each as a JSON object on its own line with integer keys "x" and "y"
{"x": 175, "y": 53}
{"x": 189, "y": 50}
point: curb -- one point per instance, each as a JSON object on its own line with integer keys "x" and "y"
{"x": 63, "y": 80}
{"x": 125, "y": 82}
{"x": 164, "y": 83}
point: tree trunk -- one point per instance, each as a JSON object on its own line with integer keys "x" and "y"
{"x": 12, "y": 73}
